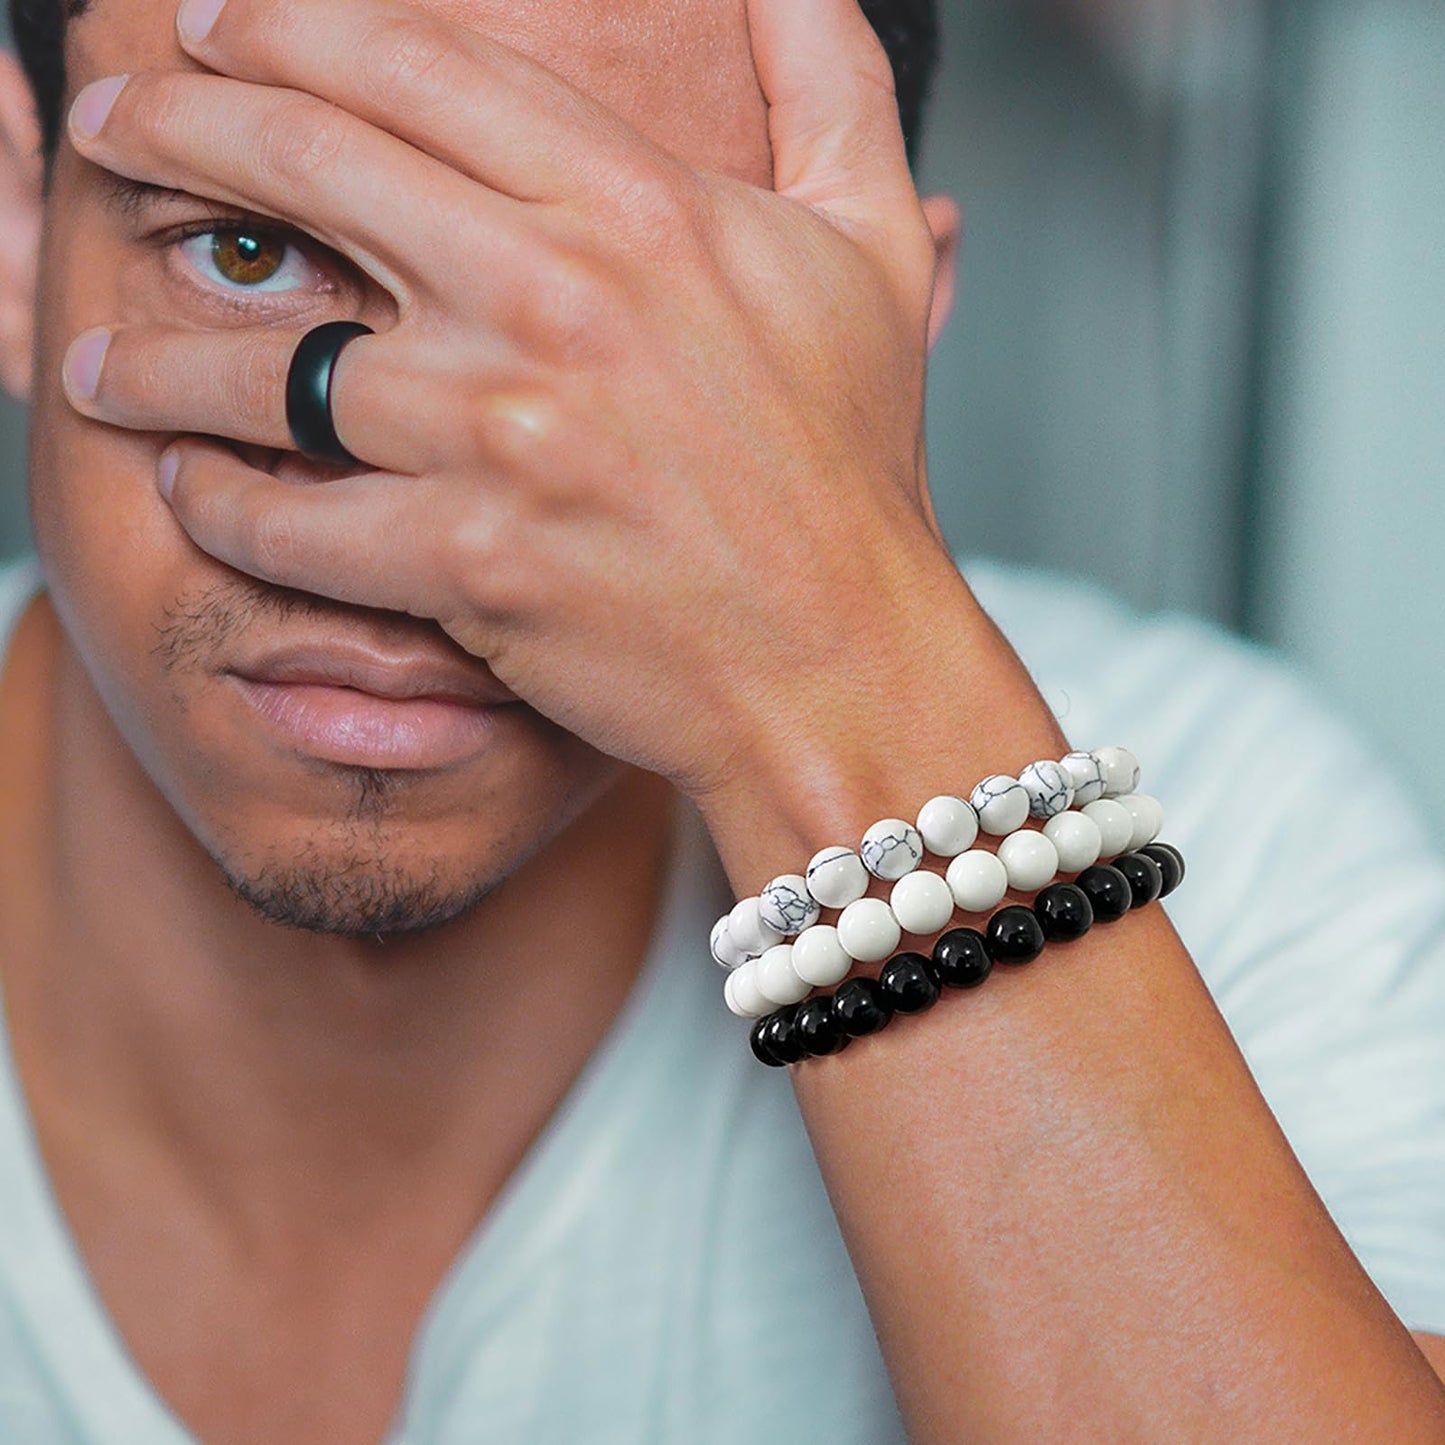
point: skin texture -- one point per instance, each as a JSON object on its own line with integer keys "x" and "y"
{"x": 632, "y": 425}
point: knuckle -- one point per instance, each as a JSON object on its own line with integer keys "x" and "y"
{"x": 152, "y": 107}
{"x": 405, "y": 55}
{"x": 272, "y": 538}
{"x": 575, "y": 307}
{"x": 514, "y": 426}
{"x": 300, "y": 138}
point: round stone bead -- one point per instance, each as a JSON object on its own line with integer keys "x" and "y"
{"x": 1171, "y": 865}
{"x": 742, "y": 994}
{"x": 1030, "y": 861}
{"x": 819, "y": 958}
{"x": 724, "y": 950}
{"x": 1050, "y": 789}
{"x": 868, "y": 930}
{"x": 1001, "y": 804}
{"x": 861, "y": 1007}
{"x": 947, "y": 826}
{"x": 1078, "y": 840}
{"x": 819, "y": 1029}
{"x": 1087, "y": 774}
{"x": 837, "y": 877}
{"x": 762, "y": 1049}
{"x": 778, "y": 979}
{"x": 977, "y": 880}
{"x": 891, "y": 849}
{"x": 748, "y": 931}
{"x": 1065, "y": 912}
{"x": 960, "y": 958}
{"x": 1146, "y": 880}
{"x": 787, "y": 906}
{"x": 779, "y": 1037}
{"x": 1121, "y": 771}
{"x": 922, "y": 903}
{"x": 1116, "y": 826}
{"x": 907, "y": 982}
{"x": 1014, "y": 935}
{"x": 1148, "y": 816}
{"x": 1108, "y": 892}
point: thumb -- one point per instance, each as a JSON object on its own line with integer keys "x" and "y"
{"x": 832, "y": 109}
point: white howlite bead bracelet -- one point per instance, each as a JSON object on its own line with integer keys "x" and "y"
{"x": 1121, "y": 771}
{"x": 1087, "y": 774}
{"x": 1087, "y": 802}
{"x": 1050, "y": 789}
{"x": 891, "y": 849}
{"x": 947, "y": 826}
{"x": 1001, "y": 803}
{"x": 837, "y": 877}
{"x": 787, "y": 906}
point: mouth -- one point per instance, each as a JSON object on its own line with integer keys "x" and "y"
{"x": 361, "y": 704}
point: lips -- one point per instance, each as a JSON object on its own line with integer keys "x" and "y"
{"x": 377, "y": 673}
{"x": 359, "y": 704}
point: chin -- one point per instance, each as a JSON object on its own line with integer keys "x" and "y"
{"x": 364, "y": 897}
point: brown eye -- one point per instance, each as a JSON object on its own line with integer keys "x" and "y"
{"x": 246, "y": 258}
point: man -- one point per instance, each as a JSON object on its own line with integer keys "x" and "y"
{"x": 339, "y": 801}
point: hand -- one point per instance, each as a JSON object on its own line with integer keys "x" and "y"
{"x": 647, "y": 440}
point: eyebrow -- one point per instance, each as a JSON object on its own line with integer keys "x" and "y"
{"x": 132, "y": 197}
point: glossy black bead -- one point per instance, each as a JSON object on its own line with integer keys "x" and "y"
{"x": 1014, "y": 935}
{"x": 1064, "y": 911}
{"x": 1146, "y": 879}
{"x": 1171, "y": 865}
{"x": 908, "y": 983}
{"x": 762, "y": 1049}
{"x": 960, "y": 958}
{"x": 819, "y": 1029}
{"x": 781, "y": 1038}
{"x": 861, "y": 1007}
{"x": 1108, "y": 892}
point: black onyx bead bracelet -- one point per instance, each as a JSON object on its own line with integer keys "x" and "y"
{"x": 963, "y": 958}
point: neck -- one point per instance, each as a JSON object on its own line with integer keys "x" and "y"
{"x": 147, "y": 1003}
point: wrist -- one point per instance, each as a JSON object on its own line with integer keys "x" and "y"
{"x": 925, "y": 704}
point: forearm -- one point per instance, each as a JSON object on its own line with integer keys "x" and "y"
{"x": 1070, "y": 1209}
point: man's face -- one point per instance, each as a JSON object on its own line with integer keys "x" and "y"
{"x": 328, "y": 806}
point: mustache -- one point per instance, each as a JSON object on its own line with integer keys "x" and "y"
{"x": 200, "y": 626}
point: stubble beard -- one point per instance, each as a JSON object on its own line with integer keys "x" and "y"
{"x": 356, "y": 882}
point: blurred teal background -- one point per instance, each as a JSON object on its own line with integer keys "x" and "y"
{"x": 1199, "y": 343}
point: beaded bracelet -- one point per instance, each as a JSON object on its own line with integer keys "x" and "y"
{"x": 963, "y": 958}
{"x": 1101, "y": 784}
{"x": 923, "y": 903}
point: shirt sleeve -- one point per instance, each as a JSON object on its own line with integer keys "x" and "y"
{"x": 1314, "y": 905}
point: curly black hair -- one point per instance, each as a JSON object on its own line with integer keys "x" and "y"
{"x": 908, "y": 29}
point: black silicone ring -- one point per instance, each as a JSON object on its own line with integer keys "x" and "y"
{"x": 308, "y": 391}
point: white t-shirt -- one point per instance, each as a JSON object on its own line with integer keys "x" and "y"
{"x": 664, "y": 1266}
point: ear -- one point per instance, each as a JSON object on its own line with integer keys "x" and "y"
{"x": 22, "y": 179}
{"x": 945, "y": 220}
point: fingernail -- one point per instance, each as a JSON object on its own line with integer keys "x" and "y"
{"x": 93, "y": 105}
{"x": 195, "y": 18}
{"x": 83, "y": 362}
{"x": 166, "y": 469}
